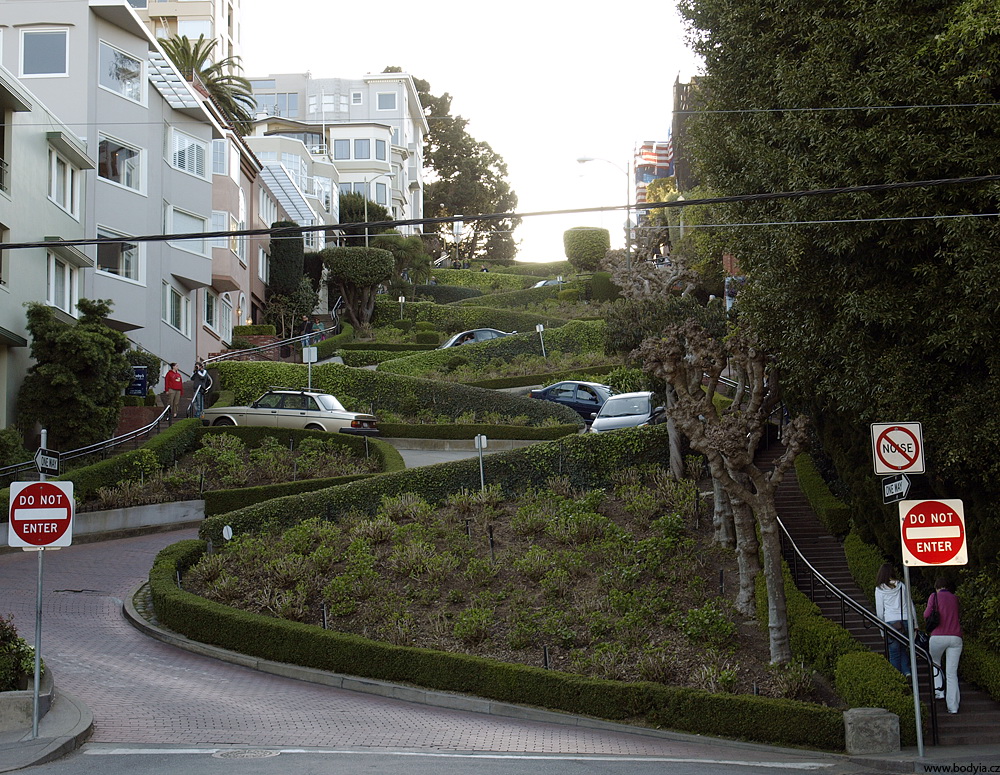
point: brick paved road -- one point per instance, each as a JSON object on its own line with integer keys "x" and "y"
{"x": 144, "y": 691}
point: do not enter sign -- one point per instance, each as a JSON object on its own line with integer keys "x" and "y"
{"x": 41, "y": 514}
{"x": 933, "y": 532}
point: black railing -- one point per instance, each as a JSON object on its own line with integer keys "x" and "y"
{"x": 805, "y": 575}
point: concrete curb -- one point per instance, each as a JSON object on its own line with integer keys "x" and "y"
{"x": 67, "y": 726}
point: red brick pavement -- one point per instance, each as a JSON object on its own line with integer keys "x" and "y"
{"x": 143, "y": 691}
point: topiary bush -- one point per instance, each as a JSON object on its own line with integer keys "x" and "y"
{"x": 585, "y": 247}
{"x": 426, "y": 337}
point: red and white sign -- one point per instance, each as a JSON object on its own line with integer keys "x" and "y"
{"x": 898, "y": 448}
{"x": 933, "y": 532}
{"x": 41, "y": 514}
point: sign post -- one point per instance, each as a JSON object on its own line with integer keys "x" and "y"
{"x": 931, "y": 532}
{"x": 481, "y": 445}
{"x": 310, "y": 355}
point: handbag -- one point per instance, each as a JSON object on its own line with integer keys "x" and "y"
{"x": 922, "y": 640}
{"x": 934, "y": 619}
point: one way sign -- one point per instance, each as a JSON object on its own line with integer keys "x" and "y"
{"x": 47, "y": 462}
{"x": 895, "y": 488}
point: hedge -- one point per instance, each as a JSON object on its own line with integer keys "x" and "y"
{"x": 536, "y": 270}
{"x": 831, "y": 511}
{"x": 574, "y": 337}
{"x": 328, "y": 347}
{"x": 254, "y": 330}
{"x": 587, "y": 460}
{"x": 451, "y": 318}
{"x": 393, "y": 347}
{"x": 487, "y": 282}
{"x": 584, "y": 374}
{"x": 526, "y": 298}
{"x": 758, "y": 719}
{"x": 359, "y": 358}
{"x": 863, "y": 562}
{"x": 865, "y": 679}
{"x": 366, "y": 390}
{"x": 446, "y": 294}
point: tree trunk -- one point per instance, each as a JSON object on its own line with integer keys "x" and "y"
{"x": 674, "y": 439}
{"x": 722, "y": 516}
{"x": 777, "y": 617}
{"x": 747, "y": 556}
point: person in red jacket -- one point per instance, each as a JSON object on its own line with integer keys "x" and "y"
{"x": 945, "y": 641}
{"x": 174, "y": 384}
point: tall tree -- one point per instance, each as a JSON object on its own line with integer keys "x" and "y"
{"x": 355, "y": 274}
{"x": 879, "y": 305}
{"x": 231, "y": 92}
{"x": 469, "y": 178}
{"x": 75, "y": 388}
{"x": 356, "y": 209}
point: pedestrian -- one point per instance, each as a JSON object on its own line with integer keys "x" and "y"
{"x": 895, "y": 611}
{"x": 946, "y": 642}
{"x": 466, "y": 264}
{"x": 307, "y": 328}
{"x": 173, "y": 384}
{"x": 202, "y": 383}
{"x": 319, "y": 329}
{"x": 483, "y": 268}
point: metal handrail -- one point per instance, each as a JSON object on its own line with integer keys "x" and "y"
{"x": 301, "y": 338}
{"x": 869, "y": 618}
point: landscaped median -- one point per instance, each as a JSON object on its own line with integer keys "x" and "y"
{"x": 758, "y": 719}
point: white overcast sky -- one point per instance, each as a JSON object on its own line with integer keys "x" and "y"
{"x": 543, "y": 82}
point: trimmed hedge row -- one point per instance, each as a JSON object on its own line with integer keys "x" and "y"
{"x": 451, "y": 319}
{"x": 387, "y": 346}
{"x": 464, "y": 431}
{"x": 359, "y": 358}
{"x": 587, "y": 460}
{"x": 574, "y": 337}
{"x": 832, "y": 512}
{"x": 764, "y": 720}
{"x": 366, "y": 389}
{"x": 865, "y": 679}
{"x": 526, "y": 298}
{"x": 487, "y": 282}
{"x": 329, "y": 346}
{"x": 545, "y": 379}
{"x": 446, "y": 294}
{"x": 547, "y": 269}
{"x": 863, "y": 561}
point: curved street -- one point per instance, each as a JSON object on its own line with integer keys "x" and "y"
{"x": 144, "y": 692}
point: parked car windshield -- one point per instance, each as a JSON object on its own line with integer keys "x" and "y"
{"x": 625, "y": 407}
{"x": 329, "y": 403}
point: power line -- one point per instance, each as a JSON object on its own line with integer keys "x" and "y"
{"x": 841, "y": 220}
{"x": 842, "y": 107}
{"x": 296, "y": 231}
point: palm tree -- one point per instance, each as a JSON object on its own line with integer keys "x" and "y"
{"x": 231, "y": 93}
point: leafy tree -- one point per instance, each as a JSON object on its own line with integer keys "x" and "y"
{"x": 586, "y": 246}
{"x": 231, "y": 93}
{"x": 470, "y": 178}
{"x": 76, "y": 386}
{"x": 355, "y": 273}
{"x": 285, "y": 310}
{"x": 408, "y": 254}
{"x": 12, "y": 448}
{"x": 888, "y": 314}
{"x": 354, "y": 209}
{"x": 287, "y": 260}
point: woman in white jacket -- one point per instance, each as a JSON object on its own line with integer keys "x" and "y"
{"x": 895, "y": 611}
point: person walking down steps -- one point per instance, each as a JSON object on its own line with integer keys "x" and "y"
{"x": 895, "y": 608}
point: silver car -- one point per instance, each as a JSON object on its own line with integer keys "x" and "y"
{"x": 288, "y": 408}
{"x": 628, "y": 410}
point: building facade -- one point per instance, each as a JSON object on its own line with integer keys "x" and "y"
{"x": 215, "y": 19}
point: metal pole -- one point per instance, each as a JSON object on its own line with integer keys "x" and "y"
{"x": 482, "y": 477}
{"x": 38, "y": 619}
{"x": 913, "y": 666}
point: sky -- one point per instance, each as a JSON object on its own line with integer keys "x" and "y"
{"x": 542, "y": 82}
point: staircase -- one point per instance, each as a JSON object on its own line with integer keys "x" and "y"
{"x": 978, "y": 719}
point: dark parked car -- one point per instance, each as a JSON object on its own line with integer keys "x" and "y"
{"x": 584, "y": 398}
{"x": 628, "y": 410}
{"x": 287, "y": 408}
{"x": 474, "y": 336}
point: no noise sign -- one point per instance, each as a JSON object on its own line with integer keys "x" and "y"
{"x": 41, "y": 514}
{"x": 933, "y": 532}
{"x": 898, "y": 448}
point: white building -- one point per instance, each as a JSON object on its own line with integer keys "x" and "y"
{"x": 215, "y": 19}
{"x": 43, "y": 172}
{"x": 372, "y": 129}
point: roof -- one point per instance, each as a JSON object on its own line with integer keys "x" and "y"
{"x": 288, "y": 194}
{"x": 169, "y": 83}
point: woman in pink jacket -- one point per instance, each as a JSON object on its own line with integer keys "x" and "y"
{"x": 946, "y": 641}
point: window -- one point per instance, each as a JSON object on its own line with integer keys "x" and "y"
{"x": 64, "y": 183}
{"x": 263, "y": 265}
{"x": 345, "y": 188}
{"x": 241, "y": 225}
{"x": 359, "y": 188}
{"x": 189, "y": 154}
{"x": 225, "y": 327}
{"x": 262, "y": 84}
{"x": 220, "y": 157}
{"x": 193, "y": 28}
{"x": 380, "y": 150}
{"x": 118, "y": 258}
{"x": 44, "y": 52}
{"x": 324, "y": 190}
{"x": 211, "y": 310}
{"x": 380, "y": 193}
{"x": 362, "y": 149}
{"x": 220, "y": 222}
{"x": 121, "y": 73}
{"x": 280, "y": 104}
{"x": 356, "y": 98}
{"x": 268, "y": 207}
{"x": 181, "y": 222}
{"x": 119, "y": 163}
{"x": 61, "y": 284}
{"x": 176, "y": 309}
{"x": 341, "y": 149}
{"x": 386, "y": 100}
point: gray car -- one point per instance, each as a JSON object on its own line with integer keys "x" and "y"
{"x": 289, "y": 408}
{"x": 474, "y": 336}
{"x": 628, "y": 410}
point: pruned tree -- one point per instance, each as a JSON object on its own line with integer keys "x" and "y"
{"x": 356, "y": 209}
{"x": 355, "y": 273}
{"x": 586, "y": 247}
{"x": 76, "y": 385}
{"x": 692, "y": 362}
{"x": 287, "y": 259}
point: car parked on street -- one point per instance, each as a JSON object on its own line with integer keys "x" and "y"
{"x": 628, "y": 410}
{"x": 290, "y": 408}
{"x": 474, "y": 336}
{"x": 585, "y": 398}
{"x": 544, "y": 283}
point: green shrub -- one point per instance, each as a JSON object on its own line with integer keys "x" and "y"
{"x": 544, "y": 269}
{"x": 17, "y": 658}
{"x": 328, "y": 347}
{"x": 426, "y": 337}
{"x": 12, "y": 450}
{"x": 831, "y": 511}
{"x": 586, "y": 246}
{"x": 529, "y": 297}
{"x": 570, "y": 294}
{"x": 240, "y": 343}
{"x": 423, "y": 325}
{"x": 863, "y": 561}
{"x": 404, "y": 325}
{"x": 446, "y": 294}
{"x": 864, "y": 679}
{"x": 255, "y": 330}
{"x": 485, "y": 282}
{"x": 600, "y": 288}
{"x": 452, "y": 318}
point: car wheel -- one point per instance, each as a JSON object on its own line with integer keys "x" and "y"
{"x": 223, "y": 421}
{"x": 315, "y": 427}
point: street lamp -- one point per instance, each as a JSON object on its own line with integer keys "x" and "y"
{"x": 628, "y": 204}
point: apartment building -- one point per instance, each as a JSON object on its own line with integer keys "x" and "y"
{"x": 44, "y": 167}
{"x": 151, "y": 138}
{"x": 215, "y": 19}
{"x": 372, "y": 130}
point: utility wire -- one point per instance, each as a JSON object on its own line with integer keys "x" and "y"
{"x": 841, "y": 107}
{"x": 296, "y": 231}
